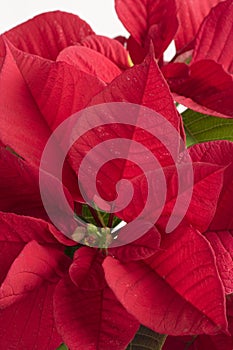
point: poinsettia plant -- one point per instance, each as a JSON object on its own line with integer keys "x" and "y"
{"x": 92, "y": 278}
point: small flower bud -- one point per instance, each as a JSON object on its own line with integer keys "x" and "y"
{"x": 78, "y": 234}
{"x": 92, "y": 229}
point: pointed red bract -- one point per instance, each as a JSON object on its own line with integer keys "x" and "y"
{"x": 206, "y": 187}
{"x": 20, "y": 117}
{"x": 219, "y": 232}
{"x": 22, "y": 229}
{"x": 47, "y": 34}
{"x": 58, "y": 88}
{"x": 86, "y": 271}
{"x": 139, "y": 249}
{"x": 19, "y": 188}
{"x": 221, "y": 153}
{"x": 110, "y": 48}
{"x": 190, "y": 15}
{"x": 214, "y": 39}
{"x": 34, "y": 265}
{"x": 151, "y": 90}
{"x": 168, "y": 293}
{"x": 148, "y": 20}
{"x": 90, "y": 61}
{"x": 99, "y": 321}
{"x": 217, "y": 342}
{"x": 29, "y": 88}
{"x": 204, "y": 87}
{"x": 29, "y": 323}
{"x": 20, "y": 194}
{"x": 222, "y": 244}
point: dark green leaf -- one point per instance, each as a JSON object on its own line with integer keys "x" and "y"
{"x": 201, "y": 128}
{"x": 87, "y": 216}
{"x": 146, "y": 339}
{"x": 62, "y": 347}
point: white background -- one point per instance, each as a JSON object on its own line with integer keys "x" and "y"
{"x": 100, "y": 14}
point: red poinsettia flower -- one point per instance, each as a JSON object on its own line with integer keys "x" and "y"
{"x": 97, "y": 300}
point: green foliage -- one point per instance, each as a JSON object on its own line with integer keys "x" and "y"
{"x": 146, "y": 339}
{"x": 88, "y": 217}
{"x": 62, "y": 347}
{"x": 201, "y": 128}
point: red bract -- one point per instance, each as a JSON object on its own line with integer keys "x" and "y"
{"x": 29, "y": 271}
{"x": 217, "y": 342}
{"x": 190, "y": 15}
{"x": 219, "y": 232}
{"x": 110, "y": 48}
{"x": 47, "y": 34}
{"x": 161, "y": 21}
{"x": 169, "y": 296}
{"x": 147, "y": 21}
{"x": 90, "y": 61}
{"x": 206, "y": 85}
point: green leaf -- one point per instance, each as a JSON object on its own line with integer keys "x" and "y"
{"x": 62, "y": 347}
{"x": 146, "y": 339}
{"x": 87, "y": 216}
{"x": 201, "y": 128}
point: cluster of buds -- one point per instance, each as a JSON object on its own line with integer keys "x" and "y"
{"x": 93, "y": 236}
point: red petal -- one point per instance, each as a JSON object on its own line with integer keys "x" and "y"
{"x": 214, "y": 39}
{"x": 207, "y": 89}
{"x": 29, "y": 324}
{"x": 110, "y": 48}
{"x": 86, "y": 271}
{"x": 22, "y": 117}
{"x": 90, "y": 61}
{"x": 149, "y": 20}
{"x": 19, "y": 186}
{"x": 137, "y": 52}
{"x": 152, "y": 90}
{"x": 58, "y": 88}
{"x": 20, "y": 194}
{"x": 219, "y": 152}
{"x": 22, "y": 125}
{"x": 140, "y": 249}
{"x": 17, "y": 230}
{"x": 34, "y": 266}
{"x": 49, "y": 33}
{"x": 21, "y": 229}
{"x": 206, "y": 185}
{"x": 92, "y": 320}
{"x": 201, "y": 342}
{"x": 190, "y": 15}
{"x": 8, "y": 253}
{"x": 206, "y": 188}
{"x": 222, "y": 244}
{"x": 168, "y": 294}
